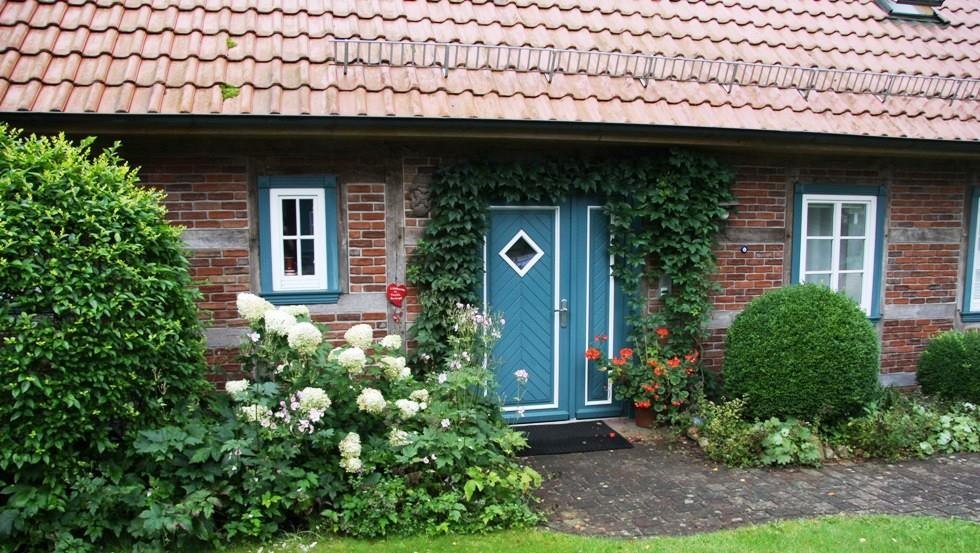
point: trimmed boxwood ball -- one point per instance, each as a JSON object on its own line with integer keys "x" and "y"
{"x": 99, "y": 328}
{"x": 802, "y": 351}
{"x": 950, "y": 366}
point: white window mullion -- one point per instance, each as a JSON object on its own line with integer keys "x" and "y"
{"x": 835, "y": 249}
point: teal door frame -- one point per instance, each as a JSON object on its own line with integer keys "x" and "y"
{"x": 582, "y": 266}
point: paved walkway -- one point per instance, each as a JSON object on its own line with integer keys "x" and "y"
{"x": 663, "y": 488}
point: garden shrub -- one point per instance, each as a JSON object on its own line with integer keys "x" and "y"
{"x": 336, "y": 439}
{"x": 950, "y": 366}
{"x": 804, "y": 352}
{"x": 729, "y": 439}
{"x": 891, "y": 427}
{"x": 99, "y": 326}
{"x": 898, "y": 427}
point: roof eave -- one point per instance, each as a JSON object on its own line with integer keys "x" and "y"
{"x": 387, "y": 128}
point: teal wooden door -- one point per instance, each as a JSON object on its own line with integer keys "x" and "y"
{"x": 547, "y": 271}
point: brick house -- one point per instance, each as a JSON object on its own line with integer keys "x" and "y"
{"x": 295, "y": 141}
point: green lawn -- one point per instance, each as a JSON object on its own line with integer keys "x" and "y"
{"x": 867, "y": 534}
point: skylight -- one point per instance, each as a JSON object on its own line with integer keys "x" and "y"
{"x": 912, "y": 9}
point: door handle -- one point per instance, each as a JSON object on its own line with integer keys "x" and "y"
{"x": 563, "y": 313}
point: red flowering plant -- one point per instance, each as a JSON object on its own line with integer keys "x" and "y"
{"x": 650, "y": 375}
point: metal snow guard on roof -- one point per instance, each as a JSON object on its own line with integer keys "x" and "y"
{"x": 650, "y": 67}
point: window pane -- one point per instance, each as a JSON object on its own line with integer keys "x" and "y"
{"x": 307, "y": 256}
{"x": 852, "y": 284}
{"x": 306, "y": 217}
{"x": 818, "y": 254}
{"x": 289, "y": 257}
{"x": 853, "y": 218}
{"x": 820, "y": 220}
{"x": 852, "y": 254}
{"x": 289, "y": 217}
{"x": 818, "y": 279}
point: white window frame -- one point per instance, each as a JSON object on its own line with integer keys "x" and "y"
{"x": 870, "y": 245}
{"x": 281, "y": 282}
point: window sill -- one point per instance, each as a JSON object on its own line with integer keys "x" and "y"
{"x": 309, "y": 298}
{"x": 970, "y": 317}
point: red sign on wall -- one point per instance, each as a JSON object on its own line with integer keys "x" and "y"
{"x": 396, "y": 293}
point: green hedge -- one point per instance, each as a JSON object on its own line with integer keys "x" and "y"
{"x": 99, "y": 326}
{"x": 802, "y": 351}
{"x": 950, "y": 366}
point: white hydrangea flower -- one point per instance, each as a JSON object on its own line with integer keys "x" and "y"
{"x": 393, "y": 366}
{"x": 297, "y": 310}
{"x": 352, "y": 465}
{"x": 392, "y": 341}
{"x": 278, "y": 321}
{"x": 304, "y": 338}
{"x": 371, "y": 401}
{"x": 255, "y": 412}
{"x": 407, "y": 408}
{"x": 405, "y": 373}
{"x": 442, "y": 378}
{"x": 398, "y": 438}
{"x": 236, "y": 387}
{"x": 445, "y": 423}
{"x": 350, "y": 446}
{"x": 352, "y": 359}
{"x": 334, "y": 354}
{"x": 360, "y": 336}
{"x": 252, "y": 307}
{"x": 313, "y": 398}
{"x": 421, "y": 396}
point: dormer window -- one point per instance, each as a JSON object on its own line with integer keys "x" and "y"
{"x": 912, "y": 9}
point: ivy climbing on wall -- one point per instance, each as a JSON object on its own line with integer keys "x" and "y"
{"x": 665, "y": 212}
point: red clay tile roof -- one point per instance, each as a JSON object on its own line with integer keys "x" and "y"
{"x": 287, "y": 57}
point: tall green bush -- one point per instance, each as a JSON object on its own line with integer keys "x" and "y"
{"x": 802, "y": 351}
{"x": 950, "y": 366}
{"x": 99, "y": 326}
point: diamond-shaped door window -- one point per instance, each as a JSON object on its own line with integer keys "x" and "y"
{"x": 521, "y": 253}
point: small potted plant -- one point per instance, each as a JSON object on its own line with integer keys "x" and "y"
{"x": 657, "y": 383}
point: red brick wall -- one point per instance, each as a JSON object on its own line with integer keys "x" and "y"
{"x": 221, "y": 274}
{"x": 366, "y": 236}
{"x": 902, "y": 342}
{"x": 921, "y": 273}
{"x": 202, "y": 192}
{"x": 746, "y": 276}
{"x": 761, "y": 195}
{"x": 931, "y": 199}
{"x": 212, "y": 193}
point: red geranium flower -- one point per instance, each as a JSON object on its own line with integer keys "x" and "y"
{"x": 641, "y": 404}
{"x": 691, "y": 357}
{"x": 592, "y": 354}
{"x": 662, "y": 333}
{"x": 674, "y": 362}
{"x": 619, "y": 361}
{"x": 626, "y": 353}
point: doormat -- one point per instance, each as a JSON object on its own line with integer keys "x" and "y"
{"x": 575, "y": 437}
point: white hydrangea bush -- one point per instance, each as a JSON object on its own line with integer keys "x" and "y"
{"x": 304, "y": 338}
{"x": 371, "y": 401}
{"x": 360, "y": 335}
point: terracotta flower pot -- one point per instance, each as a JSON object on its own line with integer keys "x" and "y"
{"x": 644, "y": 416}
